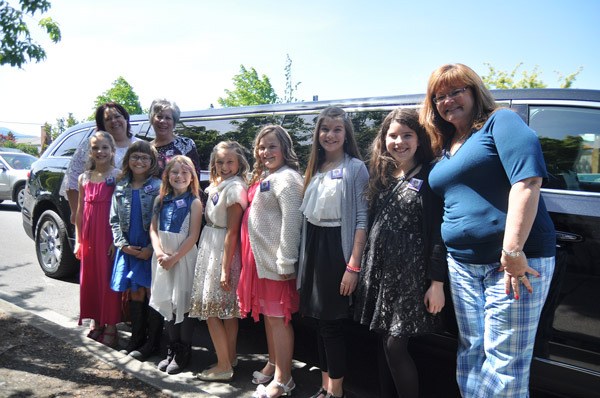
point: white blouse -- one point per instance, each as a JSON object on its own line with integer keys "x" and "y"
{"x": 322, "y": 204}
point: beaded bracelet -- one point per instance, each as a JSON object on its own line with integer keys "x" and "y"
{"x": 350, "y": 268}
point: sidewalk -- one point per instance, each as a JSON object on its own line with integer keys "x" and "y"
{"x": 64, "y": 362}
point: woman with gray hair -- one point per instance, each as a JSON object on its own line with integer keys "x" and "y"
{"x": 163, "y": 117}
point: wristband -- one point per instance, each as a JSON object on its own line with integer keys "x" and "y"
{"x": 350, "y": 268}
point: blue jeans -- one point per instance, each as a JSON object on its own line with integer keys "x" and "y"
{"x": 496, "y": 332}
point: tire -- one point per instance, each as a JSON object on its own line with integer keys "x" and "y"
{"x": 52, "y": 246}
{"x": 20, "y": 195}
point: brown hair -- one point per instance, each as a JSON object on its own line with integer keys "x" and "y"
{"x": 142, "y": 147}
{"x": 317, "y": 153}
{"x": 119, "y": 108}
{"x": 382, "y": 164}
{"x": 290, "y": 158}
{"x": 448, "y": 76}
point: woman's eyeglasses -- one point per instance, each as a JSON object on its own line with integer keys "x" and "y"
{"x": 451, "y": 95}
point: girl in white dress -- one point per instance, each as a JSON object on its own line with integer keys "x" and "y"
{"x": 174, "y": 232}
{"x": 218, "y": 265}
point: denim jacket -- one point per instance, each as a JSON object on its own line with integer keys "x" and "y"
{"x": 120, "y": 211}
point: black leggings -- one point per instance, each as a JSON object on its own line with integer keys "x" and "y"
{"x": 397, "y": 371}
{"x": 331, "y": 342}
{"x": 181, "y": 332}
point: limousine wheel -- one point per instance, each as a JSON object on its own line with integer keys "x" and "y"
{"x": 52, "y": 246}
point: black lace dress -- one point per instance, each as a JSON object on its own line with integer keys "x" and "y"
{"x": 394, "y": 275}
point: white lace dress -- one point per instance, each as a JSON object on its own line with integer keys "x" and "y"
{"x": 208, "y": 298}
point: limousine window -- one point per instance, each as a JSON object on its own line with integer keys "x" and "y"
{"x": 570, "y": 139}
{"x": 70, "y": 144}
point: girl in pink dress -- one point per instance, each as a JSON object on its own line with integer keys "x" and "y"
{"x": 94, "y": 245}
{"x": 272, "y": 226}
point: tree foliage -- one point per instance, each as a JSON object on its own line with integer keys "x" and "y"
{"x": 290, "y": 86}
{"x": 250, "y": 89}
{"x": 122, "y": 93}
{"x": 500, "y": 79}
{"x": 17, "y": 46}
{"x": 61, "y": 125}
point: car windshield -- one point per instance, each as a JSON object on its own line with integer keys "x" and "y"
{"x": 18, "y": 161}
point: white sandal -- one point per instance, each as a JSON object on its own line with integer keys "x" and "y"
{"x": 261, "y": 378}
{"x": 262, "y": 391}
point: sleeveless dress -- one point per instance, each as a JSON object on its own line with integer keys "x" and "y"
{"x": 97, "y": 300}
{"x": 171, "y": 290}
{"x": 394, "y": 279}
{"x": 129, "y": 271}
{"x": 262, "y": 296}
{"x": 208, "y": 298}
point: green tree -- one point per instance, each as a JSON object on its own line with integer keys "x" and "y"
{"x": 499, "y": 79}
{"x": 61, "y": 125}
{"x": 250, "y": 89}
{"x": 17, "y": 46}
{"x": 122, "y": 93}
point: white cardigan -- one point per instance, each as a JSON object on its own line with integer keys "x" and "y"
{"x": 275, "y": 223}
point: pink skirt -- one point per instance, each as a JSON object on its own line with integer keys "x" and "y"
{"x": 262, "y": 296}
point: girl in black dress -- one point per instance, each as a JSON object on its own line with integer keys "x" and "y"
{"x": 403, "y": 270}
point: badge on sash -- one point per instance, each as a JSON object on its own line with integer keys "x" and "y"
{"x": 180, "y": 203}
{"x": 265, "y": 186}
{"x": 148, "y": 189}
{"x": 415, "y": 184}
{"x": 110, "y": 181}
{"x": 215, "y": 198}
{"x": 336, "y": 174}
{"x": 169, "y": 153}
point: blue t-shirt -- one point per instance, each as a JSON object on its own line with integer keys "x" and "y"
{"x": 475, "y": 183}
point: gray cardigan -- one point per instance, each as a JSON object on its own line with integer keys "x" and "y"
{"x": 354, "y": 210}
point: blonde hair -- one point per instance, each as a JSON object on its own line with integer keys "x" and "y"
{"x": 184, "y": 162}
{"x": 382, "y": 165}
{"x": 239, "y": 152}
{"x": 449, "y": 76}
{"x": 101, "y": 135}
{"x": 317, "y": 153}
{"x": 290, "y": 158}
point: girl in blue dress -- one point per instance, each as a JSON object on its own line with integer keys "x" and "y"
{"x": 130, "y": 216}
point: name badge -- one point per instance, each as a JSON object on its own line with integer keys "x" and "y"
{"x": 265, "y": 186}
{"x": 415, "y": 184}
{"x": 180, "y": 203}
{"x": 336, "y": 174}
{"x": 110, "y": 181}
{"x": 215, "y": 198}
{"x": 148, "y": 188}
{"x": 170, "y": 153}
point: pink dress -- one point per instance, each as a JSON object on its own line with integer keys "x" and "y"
{"x": 97, "y": 300}
{"x": 262, "y": 296}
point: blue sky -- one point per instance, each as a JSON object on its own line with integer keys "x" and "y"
{"x": 188, "y": 51}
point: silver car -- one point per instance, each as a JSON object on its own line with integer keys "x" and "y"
{"x": 14, "y": 168}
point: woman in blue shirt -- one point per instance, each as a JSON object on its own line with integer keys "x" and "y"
{"x": 498, "y": 233}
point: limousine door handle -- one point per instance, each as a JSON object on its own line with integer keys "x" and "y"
{"x": 567, "y": 237}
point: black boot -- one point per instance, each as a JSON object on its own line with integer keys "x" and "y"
{"x": 181, "y": 359}
{"x": 137, "y": 309}
{"x": 152, "y": 344}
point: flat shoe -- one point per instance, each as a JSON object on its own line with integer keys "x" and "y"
{"x": 220, "y": 376}
{"x": 95, "y": 334}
